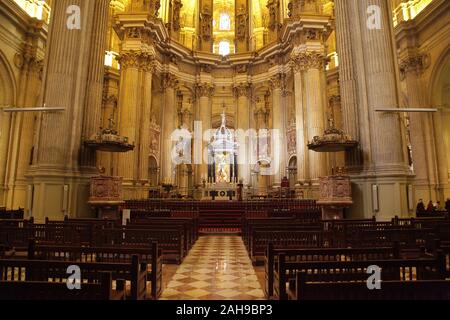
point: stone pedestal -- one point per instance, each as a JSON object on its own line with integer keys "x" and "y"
{"x": 335, "y": 195}
{"x": 106, "y": 196}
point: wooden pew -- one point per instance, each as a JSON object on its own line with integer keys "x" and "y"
{"x": 338, "y": 271}
{"x": 322, "y": 254}
{"x": 390, "y": 290}
{"x": 56, "y": 271}
{"x": 286, "y": 238}
{"x": 150, "y": 255}
{"x": 43, "y": 290}
{"x": 170, "y": 240}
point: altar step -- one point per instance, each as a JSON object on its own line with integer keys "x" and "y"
{"x": 220, "y": 221}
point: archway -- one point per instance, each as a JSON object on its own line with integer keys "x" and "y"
{"x": 440, "y": 98}
{"x": 7, "y": 97}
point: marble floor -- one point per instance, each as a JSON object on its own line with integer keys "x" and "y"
{"x": 217, "y": 268}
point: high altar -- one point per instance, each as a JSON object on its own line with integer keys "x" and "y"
{"x": 222, "y": 180}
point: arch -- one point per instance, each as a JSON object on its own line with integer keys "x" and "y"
{"x": 440, "y": 98}
{"x": 8, "y": 92}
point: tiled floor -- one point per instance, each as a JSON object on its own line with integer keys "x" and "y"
{"x": 217, "y": 268}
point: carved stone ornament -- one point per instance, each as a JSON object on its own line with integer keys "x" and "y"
{"x": 177, "y": 5}
{"x": 241, "y": 23}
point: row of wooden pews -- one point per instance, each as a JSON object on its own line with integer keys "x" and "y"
{"x": 116, "y": 261}
{"x": 331, "y": 259}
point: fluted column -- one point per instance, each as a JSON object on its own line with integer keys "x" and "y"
{"x": 315, "y": 107}
{"x": 381, "y": 83}
{"x": 169, "y": 124}
{"x": 94, "y": 84}
{"x": 203, "y": 115}
{"x": 347, "y": 80}
{"x": 144, "y": 144}
{"x": 23, "y": 131}
{"x": 263, "y": 143}
{"x": 279, "y": 149}
{"x": 59, "y": 136}
{"x": 242, "y": 93}
{"x": 129, "y": 113}
{"x": 298, "y": 67}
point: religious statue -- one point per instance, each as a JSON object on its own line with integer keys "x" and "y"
{"x": 177, "y": 5}
{"x": 272, "y": 6}
{"x": 241, "y": 20}
{"x": 205, "y": 18}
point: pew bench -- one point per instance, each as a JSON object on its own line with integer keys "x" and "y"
{"x": 56, "y": 271}
{"x": 43, "y": 290}
{"x": 390, "y": 290}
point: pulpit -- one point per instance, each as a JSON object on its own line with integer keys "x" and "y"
{"x": 335, "y": 195}
{"x": 106, "y": 196}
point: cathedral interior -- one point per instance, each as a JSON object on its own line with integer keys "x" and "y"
{"x": 343, "y": 102}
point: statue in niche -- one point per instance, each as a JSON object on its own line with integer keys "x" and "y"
{"x": 177, "y": 5}
{"x": 205, "y": 18}
{"x": 272, "y": 6}
{"x": 242, "y": 18}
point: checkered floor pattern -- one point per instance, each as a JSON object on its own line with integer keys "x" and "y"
{"x": 217, "y": 268}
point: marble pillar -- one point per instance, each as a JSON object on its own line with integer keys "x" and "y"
{"x": 148, "y": 69}
{"x": 347, "y": 81}
{"x": 301, "y": 142}
{"x": 129, "y": 115}
{"x": 279, "y": 148}
{"x": 242, "y": 93}
{"x": 94, "y": 84}
{"x": 315, "y": 106}
{"x": 169, "y": 124}
{"x": 59, "y": 189}
{"x": 203, "y": 117}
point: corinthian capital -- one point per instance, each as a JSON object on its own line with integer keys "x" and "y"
{"x": 242, "y": 90}
{"x": 169, "y": 81}
{"x": 278, "y": 81}
{"x": 415, "y": 63}
{"x": 204, "y": 90}
{"x": 136, "y": 59}
{"x": 307, "y": 60}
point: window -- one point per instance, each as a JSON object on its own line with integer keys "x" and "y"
{"x": 224, "y": 22}
{"x": 224, "y": 48}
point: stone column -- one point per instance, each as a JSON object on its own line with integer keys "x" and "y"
{"x": 347, "y": 80}
{"x": 367, "y": 54}
{"x": 23, "y": 130}
{"x": 68, "y": 67}
{"x": 242, "y": 93}
{"x": 129, "y": 113}
{"x": 94, "y": 83}
{"x": 315, "y": 106}
{"x": 144, "y": 144}
{"x": 302, "y": 154}
{"x": 279, "y": 149}
{"x": 203, "y": 115}
{"x": 264, "y": 167}
{"x": 169, "y": 124}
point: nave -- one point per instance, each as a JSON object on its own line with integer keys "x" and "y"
{"x": 217, "y": 268}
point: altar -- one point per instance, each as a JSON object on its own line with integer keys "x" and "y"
{"x": 222, "y": 180}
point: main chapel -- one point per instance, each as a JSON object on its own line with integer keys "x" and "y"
{"x": 247, "y": 126}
